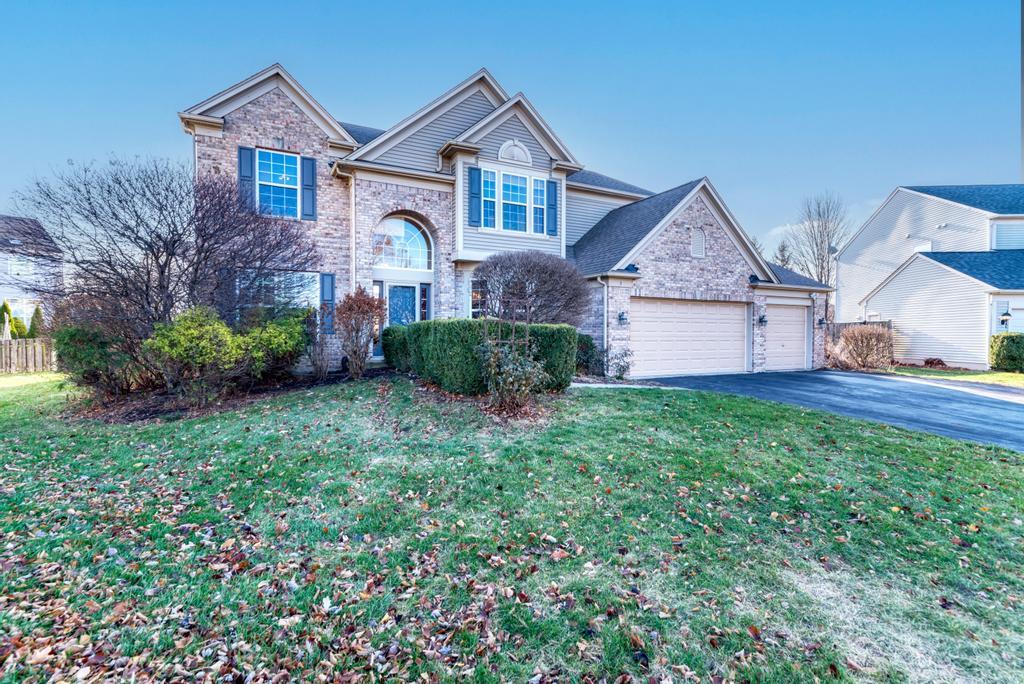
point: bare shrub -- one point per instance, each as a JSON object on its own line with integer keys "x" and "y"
{"x": 864, "y": 347}
{"x": 532, "y": 286}
{"x": 356, "y": 317}
{"x": 143, "y": 240}
{"x": 317, "y": 343}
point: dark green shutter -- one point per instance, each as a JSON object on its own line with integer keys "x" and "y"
{"x": 327, "y": 302}
{"x": 247, "y": 177}
{"x": 308, "y": 189}
{"x": 474, "y": 196}
{"x": 552, "y": 212}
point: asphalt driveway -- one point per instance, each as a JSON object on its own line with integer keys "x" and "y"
{"x": 981, "y": 415}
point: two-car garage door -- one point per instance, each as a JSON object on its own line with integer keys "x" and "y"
{"x": 679, "y": 337}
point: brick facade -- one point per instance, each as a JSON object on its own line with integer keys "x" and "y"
{"x": 665, "y": 265}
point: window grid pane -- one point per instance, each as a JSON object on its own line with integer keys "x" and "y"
{"x": 513, "y": 188}
{"x": 490, "y": 185}
{"x": 278, "y": 178}
{"x": 538, "y": 220}
{"x": 489, "y": 214}
{"x": 513, "y": 216}
{"x": 399, "y": 243}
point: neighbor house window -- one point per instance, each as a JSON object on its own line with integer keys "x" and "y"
{"x": 278, "y": 178}
{"x": 513, "y": 202}
{"x": 490, "y": 197}
{"x": 20, "y": 267}
{"x": 539, "y": 204}
{"x": 697, "y": 243}
{"x": 400, "y": 243}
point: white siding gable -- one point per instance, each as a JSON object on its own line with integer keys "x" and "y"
{"x": 936, "y": 312}
{"x": 908, "y": 222}
{"x": 514, "y": 129}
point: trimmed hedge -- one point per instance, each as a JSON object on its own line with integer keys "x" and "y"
{"x": 447, "y": 352}
{"x": 1006, "y": 352}
{"x": 395, "y": 340}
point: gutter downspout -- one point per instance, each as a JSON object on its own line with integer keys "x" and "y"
{"x": 604, "y": 314}
{"x": 351, "y": 177}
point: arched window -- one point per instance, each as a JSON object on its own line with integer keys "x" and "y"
{"x": 400, "y": 243}
{"x": 516, "y": 152}
{"x": 697, "y": 238}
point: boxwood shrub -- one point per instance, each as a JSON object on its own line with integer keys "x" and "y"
{"x": 447, "y": 353}
{"x": 1006, "y": 352}
{"x": 395, "y": 340}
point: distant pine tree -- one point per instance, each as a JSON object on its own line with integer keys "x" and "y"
{"x": 783, "y": 254}
{"x": 18, "y": 330}
{"x": 6, "y": 315}
{"x": 36, "y": 328}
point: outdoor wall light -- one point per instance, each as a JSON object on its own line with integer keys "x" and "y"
{"x": 1004, "y": 319}
{"x": 762, "y": 320}
{"x": 821, "y": 322}
{"x": 623, "y": 318}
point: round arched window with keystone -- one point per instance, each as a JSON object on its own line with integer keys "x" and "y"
{"x": 697, "y": 239}
{"x": 515, "y": 152}
{"x": 399, "y": 242}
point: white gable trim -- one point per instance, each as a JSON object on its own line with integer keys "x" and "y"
{"x": 723, "y": 216}
{"x": 481, "y": 81}
{"x": 905, "y": 264}
{"x": 212, "y": 110}
{"x": 531, "y": 118}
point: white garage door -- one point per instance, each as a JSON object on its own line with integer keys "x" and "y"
{"x": 675, "y": 337}
{"x": 786, "y": 337}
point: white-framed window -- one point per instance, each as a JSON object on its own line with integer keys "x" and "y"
{"x": 277, "y": 179}
{"x": 490, "y": 198}
{"x": 540, "y": 194}
{"x": 513, "y": 201}
{"x": 477, "y": 299}
{"x": 400, "y": 243}
{"x": 20, "y": 267}
{"x": 697, "y": 239}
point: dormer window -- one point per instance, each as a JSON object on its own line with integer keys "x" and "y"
{"x": 697, "y": 239}
{"x": 515, "y": 152}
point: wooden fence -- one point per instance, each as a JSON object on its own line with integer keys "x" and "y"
{"x": 27, "y": 356}
{"x": 836, "y": 329}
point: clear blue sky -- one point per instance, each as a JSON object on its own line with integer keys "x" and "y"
{"x": 772, "y": 100}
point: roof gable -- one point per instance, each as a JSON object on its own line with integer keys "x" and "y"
{"x": 26, "y": 236}
{"x": 623, "y": 232}
{"x": 586, "y": 179}
{"x": 481, "y": 82}
{"x": 209, "y": 114}
{"x": 520, "y": 107}
{"x": 1005, "y": 199}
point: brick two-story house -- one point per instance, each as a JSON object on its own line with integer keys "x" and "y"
{"x": 410, "y": 211}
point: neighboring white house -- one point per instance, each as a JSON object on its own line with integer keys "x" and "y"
{"x": 943, "y": 263}
{"x": 27, "y": 258}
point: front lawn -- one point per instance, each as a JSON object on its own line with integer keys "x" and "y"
{"x": 376, "y": 527}
{"x": 988, "y": 377}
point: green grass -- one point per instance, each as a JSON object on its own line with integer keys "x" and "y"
{"x": 373, "y": 527}
{"x": 989, "y": 377}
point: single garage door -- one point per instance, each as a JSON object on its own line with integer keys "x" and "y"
{"x": 786, "y": 337}
{"x": 676, "y": 337}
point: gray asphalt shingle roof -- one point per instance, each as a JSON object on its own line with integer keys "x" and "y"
{"x": 998, "y": 199}
{"x": 790, "y": 277}
{"x": 1002, "y": 269}
{"x": 26, "y": 236}
{"x": 586, "y": 177}
{"x": 361, "y": 134}
{"x": 611, "y": 238}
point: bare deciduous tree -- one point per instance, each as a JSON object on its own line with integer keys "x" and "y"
{"x": 532, "y": 286}
{"x": 822, "y": 228}
{"x": 143, "y": 240}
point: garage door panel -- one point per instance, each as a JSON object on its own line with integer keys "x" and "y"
{"x": 673, "y": 337}
{"x": 786, "y": 337}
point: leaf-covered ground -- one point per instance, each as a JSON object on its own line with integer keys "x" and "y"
{"x": 372, "y": 532}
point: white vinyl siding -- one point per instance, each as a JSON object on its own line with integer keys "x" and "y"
{"x": 584, "y": 210}
{"x": 936, "y": 313}
{"x": 419, "y": 149}
{"x": 1009, "y": 236}
{"x": 905, "y": 224}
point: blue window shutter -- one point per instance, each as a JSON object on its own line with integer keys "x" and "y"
{"x": 474, "y": 196}
{"x": 247, "y": 177}
{"x": 552, "y": 212}
{"x": 309, "y": 189}
{"x": 327, "y": 301}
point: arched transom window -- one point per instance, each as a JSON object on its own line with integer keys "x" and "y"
{"x": 400, "y": 243}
